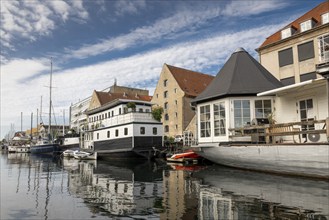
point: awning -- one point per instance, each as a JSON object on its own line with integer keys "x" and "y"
{"x": 295, "y": 88}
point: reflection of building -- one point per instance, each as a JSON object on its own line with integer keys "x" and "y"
{"x": 115, "y": 189}
{"x": 174, "y": 91}
{"x": 179, "y": 196}
{"x": 213, "y": 205}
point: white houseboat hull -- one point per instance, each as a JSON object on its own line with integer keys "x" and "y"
{"x": 310, "y": 160}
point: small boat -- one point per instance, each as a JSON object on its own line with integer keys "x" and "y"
{"x": 68, "y": 153}
{"x": 183, "y": 157}
{"x": 82, "y": 155}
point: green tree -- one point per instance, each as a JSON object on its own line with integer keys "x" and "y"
{"x": 157, "y": 113}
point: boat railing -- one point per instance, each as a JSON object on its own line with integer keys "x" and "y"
{"x": 283, "y": 132}
{"x": 122, "y": 119}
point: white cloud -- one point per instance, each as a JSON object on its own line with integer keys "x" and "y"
{"x": 170, "y": 27}
{"x": 247, "y": 8}
{"x": 32, "y": 19}
{"x": 123, "y": 7}
{"x": 78, "y": 83}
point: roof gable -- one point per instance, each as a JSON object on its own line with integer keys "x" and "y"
{"x": 192, "y": 83}
{"x": 314, "y": 14}
{"x": 241, "y": 75}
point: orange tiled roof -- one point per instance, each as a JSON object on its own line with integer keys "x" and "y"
{"x": 106, "y": 97}
{"x": 314, "y": 14}
{"x": 192, "y": 83}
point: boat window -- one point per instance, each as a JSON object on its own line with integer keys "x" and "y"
{"x": 116, "y": 132}
{"x": 108, "y": 134}
{"x": 306, "y": 114}
{"x": 155, "y": 130}
{"x": 97, "y": 136}
{"x": 142, "y": 130}
{"x": 219, "y": 119}
{"x": 263, "y": 108}
{"x": 126, "y": 131}
{"x": 241, "y": 113}
{"x": 205, "y": 124}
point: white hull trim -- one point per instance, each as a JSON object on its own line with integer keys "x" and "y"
{"x": 310, "y": 160}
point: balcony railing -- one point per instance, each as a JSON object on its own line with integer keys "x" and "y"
{"x": 122, "y": 119}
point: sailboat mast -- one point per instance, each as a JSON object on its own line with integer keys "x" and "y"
{"x": 50, "y": 103}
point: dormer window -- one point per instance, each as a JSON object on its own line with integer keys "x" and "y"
{"x": 286, "y": 33}
{"x": 325, "y": 18}
{"x": 306, "y": 25}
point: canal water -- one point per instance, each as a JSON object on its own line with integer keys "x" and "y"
{"x": 41, "y": 187}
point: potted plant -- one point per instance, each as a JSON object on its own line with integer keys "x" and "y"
{"x": 132, "y": 106}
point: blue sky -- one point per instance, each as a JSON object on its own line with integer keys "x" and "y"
{"x": 94, "y": 42}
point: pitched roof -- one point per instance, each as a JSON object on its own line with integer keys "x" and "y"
{"x": 314, "y": 14}
{"x": 241, "y": 75}
{"x": 106, "y": 97}
{"x": 191, "y": 82}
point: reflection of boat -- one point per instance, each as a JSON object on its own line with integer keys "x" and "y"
{"x": 81, "y": 155}
{"x": 68, "y": 153}
{"x": 303, "y": 194}
{"x": 179, "y": 166}
{"x": 121, "y": 188}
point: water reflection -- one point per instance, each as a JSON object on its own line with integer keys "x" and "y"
{"x": 34, "y": 187}
{"x": 233, "y": 194}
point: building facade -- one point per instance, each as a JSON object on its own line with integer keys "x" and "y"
{"x": 298, "y": 55}
{"x": 174, "y": 91}
{"x": 292, "y": 53}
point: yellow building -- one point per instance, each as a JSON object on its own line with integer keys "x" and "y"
{"x": 293, "y": 53}
{"x": 174, "y": 91}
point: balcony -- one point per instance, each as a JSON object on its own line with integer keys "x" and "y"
{"x": 123, "y": 119}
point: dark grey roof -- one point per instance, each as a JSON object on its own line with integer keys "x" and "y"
{"x": 241, "y": 75}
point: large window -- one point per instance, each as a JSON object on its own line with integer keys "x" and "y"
{"x": 285, "y": 57}
{"x": 324, "y": 48}
{"x": 263, "y": 108}
{"x": 205, "y": 124}
{"x": 219, "y": 119}
{"x": 241, "y": 113}
{"x": 305, "y": 51}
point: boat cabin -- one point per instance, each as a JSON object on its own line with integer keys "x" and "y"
{"x": 245, "y": 101}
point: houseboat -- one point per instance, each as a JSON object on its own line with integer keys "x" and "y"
{"x": 121, "y": 125}
{"x": 247, "y": 119}
{"x": 19, "y": 143}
